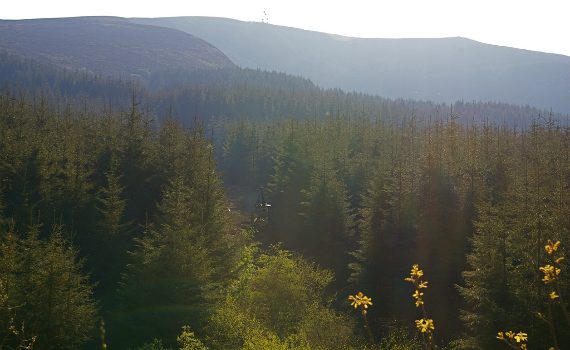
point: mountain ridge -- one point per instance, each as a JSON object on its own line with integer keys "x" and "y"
{"x": 109, "y": 45}
{"x": 161, "y": 51}
{"x": 440, "y": 69}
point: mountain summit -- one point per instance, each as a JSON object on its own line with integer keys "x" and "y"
{"x": 109, "y": 45}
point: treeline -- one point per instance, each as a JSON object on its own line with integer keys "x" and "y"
{"x": 269, "y": 96}
{"x": 61, "y": 87}
{"x": 229, "y": 94}
{"x": 473, "y": 205}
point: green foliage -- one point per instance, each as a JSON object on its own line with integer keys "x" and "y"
{"x": 184, "y": 258}
{"x": 278, "y": 301}
{"x": 432, "y": 192}
{"x": 187, "y": 340}
{"x": 112, "y": 205}
{"x": 327, "y": 222}
{"x": 156, "y": 344}
{"x": 368, "y": 192}
{"x": 291, "y": 175}
{"x": 12, "y": 336}
{"x": 399, "y": 338}
{"x": 45, "y": 280}
{"x": 113, "y": 234}
{"x": 503, "y": 285}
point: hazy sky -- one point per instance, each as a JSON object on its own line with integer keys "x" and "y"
{"x": 534, "y": 25}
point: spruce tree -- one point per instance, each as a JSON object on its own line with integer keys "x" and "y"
{"x": 327, "y": 223}
{"x": 184, "y": 257}
{"x": 113, "y": 236}
{"x": 291, "y": 176}
{"x": 45, "y": 279}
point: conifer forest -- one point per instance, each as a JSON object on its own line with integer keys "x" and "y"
{"x": 246, "y": 209}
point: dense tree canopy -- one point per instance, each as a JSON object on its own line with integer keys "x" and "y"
{"x": 141, "y": 217}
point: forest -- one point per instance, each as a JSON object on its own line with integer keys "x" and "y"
{"x": 255, "y": 210}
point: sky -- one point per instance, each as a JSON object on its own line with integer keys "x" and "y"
{"x": 533, "y": 25}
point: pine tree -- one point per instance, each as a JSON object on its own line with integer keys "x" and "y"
{"x": 112, "y": 205}
{"x": 138, "y": 164}
{"x": 186, "y": 256}
{"x": 45, "y": 278}
{"x": 291, "y": 176}
{"x": 327, "y": 223}
{"x": 170, "y": 273}
{"x": 386, "y": 227}
{"x": 108, "y": 247}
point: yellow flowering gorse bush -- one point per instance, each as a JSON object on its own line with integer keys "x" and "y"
{"x": 551, "y": 272}
{"x": 360, "y": 300}
{"x": 425, "y": 325}
{"x": 550, "y": 277}
{"x": 416, "y": 279}
{"x": 514, "y": 340}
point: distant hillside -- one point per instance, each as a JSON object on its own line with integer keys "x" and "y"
{"x": 110, "y": 46}
{"x": 239, "y": 94}
{"x": 210, "y": 95}
{"x": 193, "y": 89}
{"x": 26, "y": 77}
{"x": 441, "y": 70}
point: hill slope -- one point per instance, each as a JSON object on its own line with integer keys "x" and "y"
{"x": 237, "y": 94}
{"x": 108, "y": 45}
{"x": 442, "y": 70}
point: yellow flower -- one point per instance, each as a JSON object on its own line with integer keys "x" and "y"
{"x": 355, "y": 299}
{"x": 501, "y": 336}
{"x": 425, "y": 325}
{"x": 423, "y": 285}
{"x": 360, "y": 300}
{"x": 559, "y": 260}
{"x": 520, "y": 336}
{"x": 366, "y": 301}
{"x": 550, "y": 273}
{"x": 416, "y": 272}
{"x": 510, "y": 334}
{"x": 553, "y": 295}
{"x": 551, "y": 247}
{"x": 417, "y": 294}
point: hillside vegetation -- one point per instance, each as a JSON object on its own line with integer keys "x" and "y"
{"x": 109, "y": 46}
{"x": 234, "y": 208}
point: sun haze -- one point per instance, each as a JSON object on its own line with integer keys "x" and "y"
{"x": 528, "y": 25}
